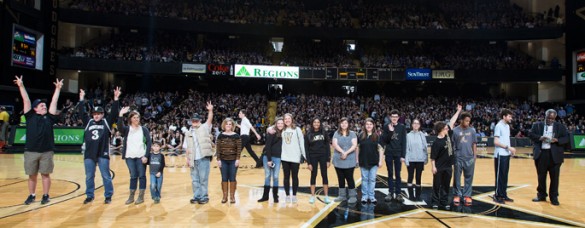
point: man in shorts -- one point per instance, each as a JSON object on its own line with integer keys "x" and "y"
{"x": 40, "y": 142}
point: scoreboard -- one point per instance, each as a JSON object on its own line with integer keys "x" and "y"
{"x": 27, "y": 46}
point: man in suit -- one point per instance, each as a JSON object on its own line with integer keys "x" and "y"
{"x": 549, "y": 138}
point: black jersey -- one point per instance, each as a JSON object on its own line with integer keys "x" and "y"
{"x": 97, "y": 139}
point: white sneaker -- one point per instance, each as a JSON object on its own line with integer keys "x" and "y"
{"x": 312, "y": 200}
{"x": 288, "y": 199}
{"x": 294, "y": 199}
{"x": 326, "y": 200}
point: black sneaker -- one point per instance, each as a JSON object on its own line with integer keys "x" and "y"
{"x": 364, "y": 201}
{"x": 88, "y": 200}
{"x": 108, "y": 200}
{"x": 499, "y": 200}
{"x": 389, "y": 197}
{"x": 399, "y": 198}
{"x": 194, "y": 201}
{"x": 448, "y": 207}
{"x": 435, "y": 207}
{"x": 45, "y": 199}
{"x": 204, "y": 201}
{"x": 508, "y": 199}
{"x": 30, "y": 199}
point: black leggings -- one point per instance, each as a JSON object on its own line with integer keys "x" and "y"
{"x": 418, "y": 167}
{"x": 287, "y": 167}
{"x": 345, "y": 174}
{"x": 319, "y": 161}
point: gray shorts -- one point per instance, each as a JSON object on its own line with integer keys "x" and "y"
{"x": 35, "y": 162}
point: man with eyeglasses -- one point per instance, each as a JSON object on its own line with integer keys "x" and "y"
{"x": 549, "y": 138}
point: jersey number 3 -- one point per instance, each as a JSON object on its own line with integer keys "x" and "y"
{"x": 94, "y": 134}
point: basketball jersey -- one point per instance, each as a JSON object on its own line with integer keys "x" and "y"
{"x": 97, "y": 138}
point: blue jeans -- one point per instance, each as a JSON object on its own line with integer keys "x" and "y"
{"x": 137, "y": 172}
{"x": 369, "y": 182}
{"x": 155, "y": 185}
{"x": 228, "y": 170}
{"x": 271, "y": 173}
{"x": 200, "y": 178}
{"x": 104, "y": 165}
{"x": 394, "y": 165}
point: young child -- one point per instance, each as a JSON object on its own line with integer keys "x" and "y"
{"x": 442, "y": 160}
{"x": 156, "y": 161}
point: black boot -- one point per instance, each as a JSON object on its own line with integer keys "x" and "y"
{"x": 265, "y": 194}
{"x": 418, "y": 193}
{"x": 275, "y": 193}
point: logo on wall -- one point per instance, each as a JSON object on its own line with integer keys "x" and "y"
{"x": 220, "y": 69}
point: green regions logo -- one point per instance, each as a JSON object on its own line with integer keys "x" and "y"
{"x": 581, "y": 76}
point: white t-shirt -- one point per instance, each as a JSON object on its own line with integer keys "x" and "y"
{"x": 548, "y": 132}
{"x": 245, "y": 126}
{"x": 502, "y": 131}
{"x": 135, "y": 144}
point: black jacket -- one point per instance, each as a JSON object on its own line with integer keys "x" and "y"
{"x": 557, "y": 149}
{"x": 394, "y": 141}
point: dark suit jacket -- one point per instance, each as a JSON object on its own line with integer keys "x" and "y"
{"x": 557, "y": 149}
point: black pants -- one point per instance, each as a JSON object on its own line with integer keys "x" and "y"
{"x": 343, "y": 175}
{"x": 502, "y": 167}
{"x": 321, "y": 161}
{"x": 546, "y": 164}
{"x": 288, "y": 168}
{"x": 441, "y": 185}
{"x": 417, "y": 167}
{"x": 246, "y": 144}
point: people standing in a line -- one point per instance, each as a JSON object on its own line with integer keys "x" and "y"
{"x": 156, "y": 163}
{"x": 370, "y": 155}
{"x": 96, "y": 139}
{"x": 293, "y": 151}
{"x": 40, "y": 139}
{"x": 502, "y": 154}
{"x": 273, "y": 149}
{"x": 318, "y": 147}
{"x": 549, "y": 139}
{"x": 394, "y": 140}
{"x": 416, "y": 158}
{"x": 465, "y": 147}
{"x": 344, "y": 160}
{"x": 228, "y": 150}
{"x": 245, "y": 127}
{"x": 137, "y": 145}
{"x": 198, "y": 147}
{"x": 442, "y": 160}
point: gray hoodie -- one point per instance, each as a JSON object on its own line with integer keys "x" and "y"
{"x": 416, "y": 148}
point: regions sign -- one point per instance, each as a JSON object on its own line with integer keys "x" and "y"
{"x": 63, "y": 136}
{"x": 578, "y": 142}
{"x": 443, "y": 74}
{"x": 260, "y": 71}
{"x": 193, "y": 68}
{"x": 418, "y": 74}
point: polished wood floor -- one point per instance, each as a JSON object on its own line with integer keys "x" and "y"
{"x": 67, "y": 194}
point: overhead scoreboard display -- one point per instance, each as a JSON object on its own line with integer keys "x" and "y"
{"x": 579, "y": 66}
{"x": 27, "y": 48}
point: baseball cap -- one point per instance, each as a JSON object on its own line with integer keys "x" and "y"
{"x": 37, "y": 102}
{"x": 97, "y": 109}
{"x": 196, "y": 117}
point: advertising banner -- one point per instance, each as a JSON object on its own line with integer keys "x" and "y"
{"x": 261, "y": 71}
{"x": 418, "y": 74}
{"x": 63, "y": 136}
{"x": 220, "y": 69}
{"x": 443, "y": 74}
{"x": 193, "y": 68}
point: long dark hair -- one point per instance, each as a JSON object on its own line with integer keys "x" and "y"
{"x": 339, "y": 130}
{"x": 364, "y": 134}
{"x": 312, "y": 131}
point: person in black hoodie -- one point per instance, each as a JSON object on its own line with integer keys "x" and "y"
{"x": 394, "y": 140}
{"x": 271, "y": 160}
{"x": 318, "y": 147}
{"x": 97, "y": 145}
{"x": 156, "y": 161}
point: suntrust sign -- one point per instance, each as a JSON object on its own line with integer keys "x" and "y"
{"x": 260, "y": 71}
{"x": 418, "y": 74}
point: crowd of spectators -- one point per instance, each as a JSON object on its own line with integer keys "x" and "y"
{"x": 321, "y": 53}
{"x": 447, "y": 55}
{"x": 390, "y": 14}
{"x": 428, "y": 110}
{"x": 175, "y": 47}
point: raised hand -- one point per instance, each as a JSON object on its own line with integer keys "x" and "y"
{"x": 391, "y": 127}
{"x": 58, "y": 84}
{"x": 209, "y": 106}
{"x": 117, "y": 93}
{"x": 459, "y": 107}
{"x": 18, "y": 81}
{"x": 81, "y": 94}
{"x": 124, "y": 110}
